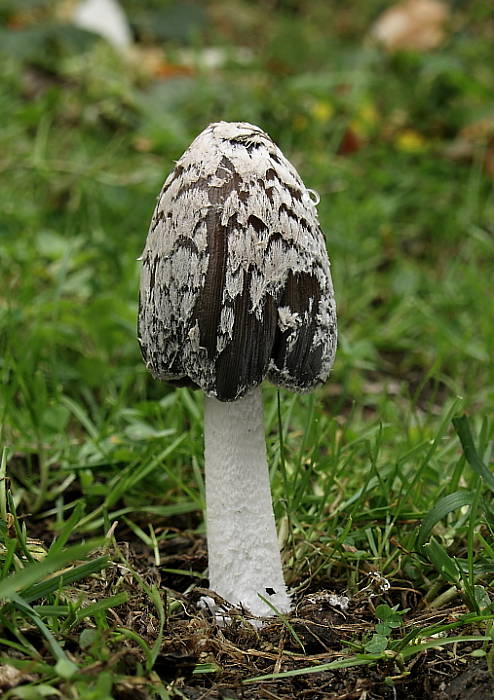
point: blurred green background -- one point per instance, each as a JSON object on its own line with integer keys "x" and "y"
{"x": 387, "y": 111}
{"x": 397, "y": 139}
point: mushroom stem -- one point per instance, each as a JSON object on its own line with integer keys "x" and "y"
{"x": 243, "y": 551}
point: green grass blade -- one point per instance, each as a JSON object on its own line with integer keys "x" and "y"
{"x": 439, "y": 557}
{"x": 462, "y": 427}
{"x": 55, "y": 583}
{"x": 55, "y": 647}
{"x": 158, "y": 604}
{"x": 3, "y": 495}
{"x": 59, "y": 543}
{"x": 434, "y": 643}
{"x": 452, "y": 501}
{"x": 32, "y": 573}
{"x": 361, "y": 660}
{"x": 102, "y": 606}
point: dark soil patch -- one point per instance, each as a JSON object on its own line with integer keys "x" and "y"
{"x": 202, "y": 660}
{"x": 476, "y": 683}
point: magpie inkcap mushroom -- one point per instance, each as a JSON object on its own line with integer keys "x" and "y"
{"x": 236, "y": 288}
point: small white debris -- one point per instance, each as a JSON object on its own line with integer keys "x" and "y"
{"x": 339, "y": 601}
{"x": 378, "y": 582}
{"x": 333, "y": 599}
{"x": 314, "y": 196}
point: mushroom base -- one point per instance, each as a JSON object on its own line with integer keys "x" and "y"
{"x": 244, "y": 557}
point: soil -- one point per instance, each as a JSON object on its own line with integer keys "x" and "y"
{"x": 475, "y": 683}
{"x": 319, "y": 633}
{"x": 201, "y": 660}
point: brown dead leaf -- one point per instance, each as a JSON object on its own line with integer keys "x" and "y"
{"x": 413, "y": 24}
{"x": 479, "y": 132}
{"x": 473, "y": 141}
{"x": 10, "y": 677}
{"x": 19, "y": 20}
{"x": 489, "y": 162}
{"x": 350, "y": 143}
{"x": 153, "y": 62}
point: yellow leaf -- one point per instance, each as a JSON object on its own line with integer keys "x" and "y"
{"x": 410, "y": 141}
{"x": 322, "y": 110}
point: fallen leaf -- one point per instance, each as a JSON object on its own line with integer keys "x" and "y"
{"x": 322, "y": 110}
{"x": 152, "y": 61}
{"x": 413, "y": 24}
{"x": 410, "y": 141}
{"x": 350, "y": 142}
{"x": 474, "y": 140}
{"x": 106, "y": 18}
{"x": 11, "y": 676}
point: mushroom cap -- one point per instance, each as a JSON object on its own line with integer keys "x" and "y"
{"x": 235, "y": 281}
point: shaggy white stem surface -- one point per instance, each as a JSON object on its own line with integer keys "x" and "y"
{"x": 244, "y": 557}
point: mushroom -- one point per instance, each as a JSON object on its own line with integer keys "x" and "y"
{"x": 235, "y": 288}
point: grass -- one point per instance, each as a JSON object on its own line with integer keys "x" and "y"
{"x": 381, "y": 480}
